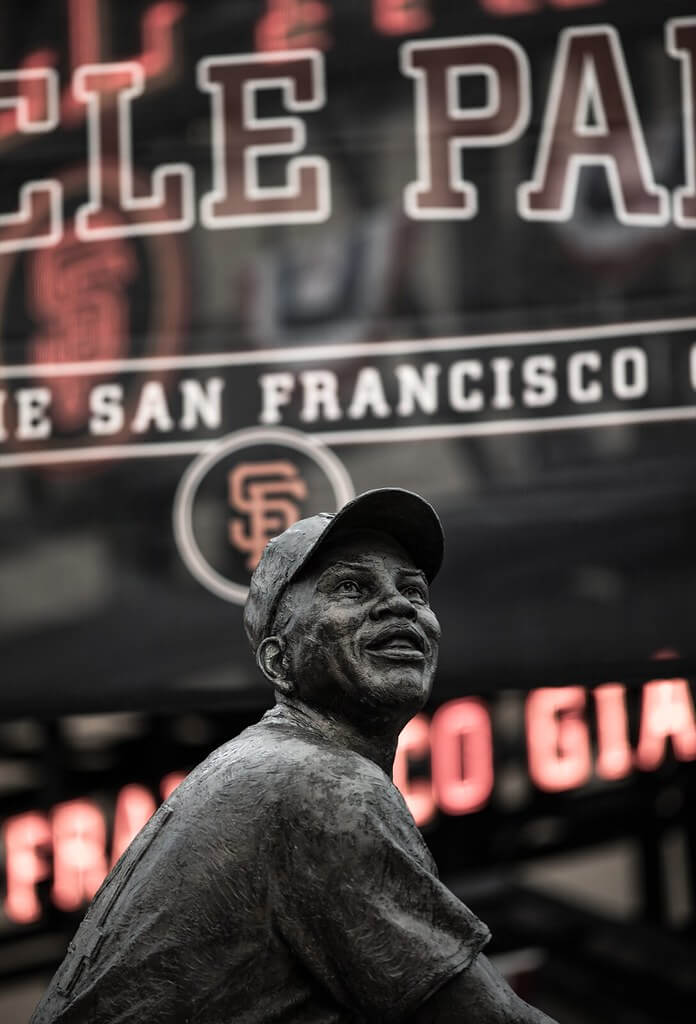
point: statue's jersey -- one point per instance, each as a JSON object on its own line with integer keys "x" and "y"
{"x": 283, "y": 881}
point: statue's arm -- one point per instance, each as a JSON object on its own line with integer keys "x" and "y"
{"x": 479, "y": 993}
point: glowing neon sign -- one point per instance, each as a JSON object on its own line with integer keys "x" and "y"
{"x": 88, "y": 45}
{"x": 68, "y": 844}
{"x": 561, "y": 754}
{"x": 286, "y": 24}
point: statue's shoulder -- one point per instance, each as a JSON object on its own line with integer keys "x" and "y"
{"x": 279, "y": 769}
{"x": 321, "y": 781}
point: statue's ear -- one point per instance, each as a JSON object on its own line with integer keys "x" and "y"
{"x": 270, "y": 657}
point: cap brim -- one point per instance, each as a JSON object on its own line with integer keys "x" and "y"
{"x": 403, "y": 515}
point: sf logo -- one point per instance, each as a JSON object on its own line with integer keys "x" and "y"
{"x": 264, "y": 497}
{"x": 244, "y": 490}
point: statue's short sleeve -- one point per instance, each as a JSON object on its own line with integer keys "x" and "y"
{"x": 357, "y": 899}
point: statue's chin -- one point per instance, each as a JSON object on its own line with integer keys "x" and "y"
{"x": 403, "y": 693}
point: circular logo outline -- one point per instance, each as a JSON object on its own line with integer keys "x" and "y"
{"x": 195, "y": 473}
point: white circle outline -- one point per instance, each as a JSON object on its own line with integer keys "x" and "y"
{"x": 194, "y": 474}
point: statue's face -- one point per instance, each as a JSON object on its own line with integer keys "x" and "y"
{"x": 361, "y": 635}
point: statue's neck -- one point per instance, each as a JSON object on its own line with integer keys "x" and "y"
{"x": 375, "y": 742}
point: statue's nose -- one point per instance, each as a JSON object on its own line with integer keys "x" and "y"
{"x": 392, "y": 602}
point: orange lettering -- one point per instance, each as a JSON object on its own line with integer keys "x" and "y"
{"x": 558, "y": 742}
{"x": 462, "y": 756}
{"x": 24, "y": 836}
{"x": 414, "y": 744}
{"x": 667, "y": 713}
{"x": 79, "y": 858}
{"x": 134, "y": 807}
{"x": 614, "y": 759}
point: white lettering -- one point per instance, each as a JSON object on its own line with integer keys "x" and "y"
{"x": 578, "y": 389}
{"x": 459, "y": 398}
{"x": 629, "y": 373}
{"x": 415, "y": 389}
{"x": 276, "y": 390}
{"x": 502, "y": 397}
{"x": 18, "y": 234}
{"x": 201, "y": 404}
{"x": 444, "y": 129}
{"x": 591, "y": 120}
{"x": 152, "y": 410}
{"x": 240, "y": 138}
{"x": 320, "y": 396}
{"x": 368, "y": 395}
{"x": 106, "y": 407}
{"x": 538, "y": 375}
{"x": 171, "y": 206}
{"x": 32, "y": 424}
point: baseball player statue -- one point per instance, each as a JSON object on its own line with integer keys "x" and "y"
{"x": 285, "y": 880}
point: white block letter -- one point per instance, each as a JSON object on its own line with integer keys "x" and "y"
{"x": 444, "y": 128}
{"x": 240, "y": 137}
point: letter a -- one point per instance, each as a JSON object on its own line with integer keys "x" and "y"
{"x": 681, "y": 44}
{"x": 591, "y": 120}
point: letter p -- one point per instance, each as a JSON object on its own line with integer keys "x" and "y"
{"x": 444, "y": 127}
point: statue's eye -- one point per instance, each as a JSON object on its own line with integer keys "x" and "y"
{"x": 415, "y": 593}
{"x": 348, "y": 588}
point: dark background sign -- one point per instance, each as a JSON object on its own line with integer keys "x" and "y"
{"x": 246, "y": 218}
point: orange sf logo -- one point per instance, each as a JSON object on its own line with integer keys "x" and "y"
{"x": 266, "y": 494}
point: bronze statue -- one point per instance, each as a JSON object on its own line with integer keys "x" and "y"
{"x": 285, "y": 879}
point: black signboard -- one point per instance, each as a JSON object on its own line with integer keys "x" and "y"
{"x": 258, "y": 257}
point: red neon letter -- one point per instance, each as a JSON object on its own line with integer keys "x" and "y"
{"x": 24, "y": 836}
{"x": 613, "y": 751}
{"x": 170, "y": 207}
{"x": 33, "y": 114}
{"x": 293, "y": 24}
{"x": 134, "y": 808}
{"x": 88, "y": 45}
{"x": 414, "y": 744}
{"x": 558, "y": 743}
{"x": 667, "y": 711}
{"x": 159, "y": 49}
{"x": 401, "y": 17}
{"x": 79, "y": 857}
{"x": 681, "y": 44}
{"x": 462, "y": 756}
{"x": 444, "y": 128}
{"x": 505, "y": 7}
{"x": 591, "y": 120}
{"x": 240, "y": 137}
{"x": 170, "y": 782}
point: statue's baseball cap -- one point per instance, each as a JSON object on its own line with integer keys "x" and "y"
{"x": 403, "y": 515}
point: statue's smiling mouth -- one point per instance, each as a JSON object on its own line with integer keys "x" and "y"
{"x": 400, "y": 643}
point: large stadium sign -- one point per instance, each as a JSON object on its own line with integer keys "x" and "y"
{"x": 257, "y": 257}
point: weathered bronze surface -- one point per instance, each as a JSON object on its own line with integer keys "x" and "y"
{"x": 285, "y": 880}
